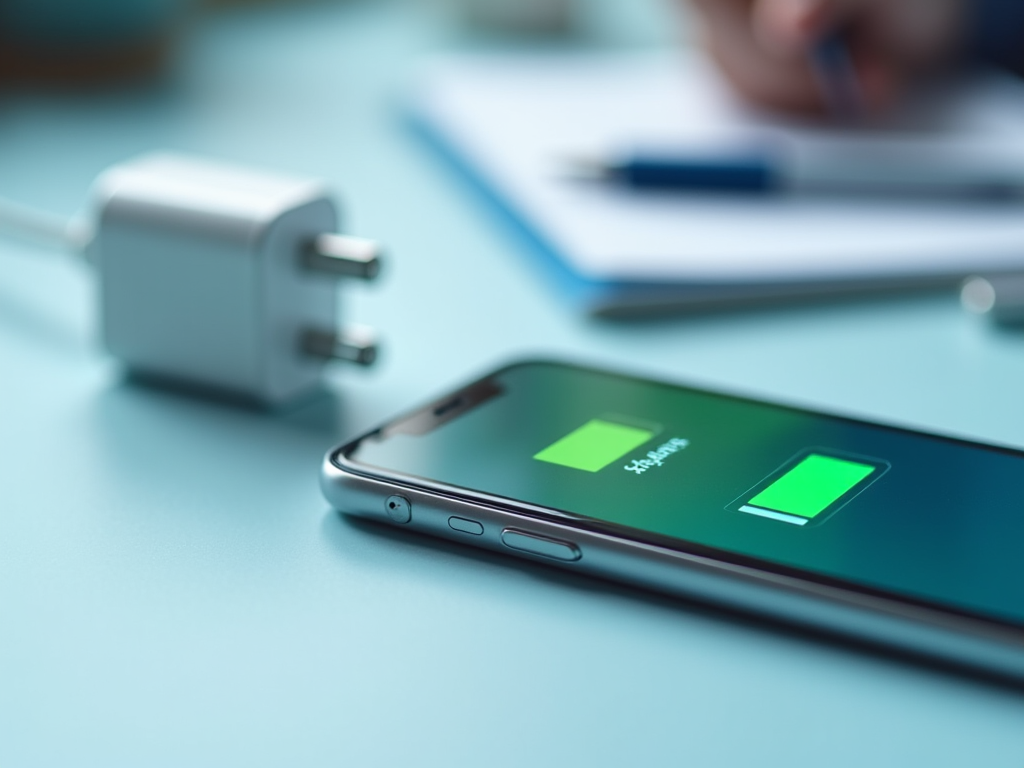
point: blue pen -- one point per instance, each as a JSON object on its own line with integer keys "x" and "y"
{"x": 766, "y": 168}
{"x": 764, "y": 171}
{"x": 740, "y": 173}
{"x": 837, "y": 78}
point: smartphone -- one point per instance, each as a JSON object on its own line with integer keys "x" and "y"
{"x": 883, "y": 534}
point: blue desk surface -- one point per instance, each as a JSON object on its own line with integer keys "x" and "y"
{"x": 174, "y": 590}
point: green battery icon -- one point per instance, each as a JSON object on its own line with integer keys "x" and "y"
{"x": 595, "y": 445}
{"x": 812, "y": 485}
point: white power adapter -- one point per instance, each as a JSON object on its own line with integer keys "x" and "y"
{"x": 222, "y": 278}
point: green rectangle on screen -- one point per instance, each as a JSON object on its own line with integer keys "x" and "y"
{"x": 595, "y": 445}
{"x": 812, "y": 486}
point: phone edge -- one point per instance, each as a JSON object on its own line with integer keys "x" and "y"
{"x": 879, "y": 621}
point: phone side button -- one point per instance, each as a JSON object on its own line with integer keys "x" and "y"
{"x": 465, "y": 526}
{"x": 539, "y": 545}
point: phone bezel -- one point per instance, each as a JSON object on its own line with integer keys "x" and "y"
{"x": 342, "y": 459}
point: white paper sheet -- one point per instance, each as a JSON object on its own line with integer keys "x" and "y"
{"x": 513, "y": 118}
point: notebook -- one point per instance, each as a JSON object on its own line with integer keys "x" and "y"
{"x": 507, "y": 122}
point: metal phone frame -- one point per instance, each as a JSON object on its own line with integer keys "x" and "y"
{"x": 920, "y": 630}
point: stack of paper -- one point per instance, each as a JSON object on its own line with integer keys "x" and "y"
{"x": 508, "y": 122}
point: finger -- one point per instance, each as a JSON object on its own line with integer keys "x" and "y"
{"x": 724, "y": 16}
{"x": 883, "y": 80}
{"x": 790, "y": 27}
{"x": 777, "y": 82}
{"x": 787, "y": 85}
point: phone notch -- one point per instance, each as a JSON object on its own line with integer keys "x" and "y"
{"x": 441, "y": 411}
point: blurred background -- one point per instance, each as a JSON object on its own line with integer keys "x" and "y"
{"x": 65, "y": 42}
{"x": 180, "y": 593}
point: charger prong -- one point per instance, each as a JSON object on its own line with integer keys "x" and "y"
{"x": 355, "y": 344}
{"x": 344, "y": 256}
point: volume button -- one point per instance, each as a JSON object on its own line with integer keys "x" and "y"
{"x": 465, "y": 525}
{"x": 540, "y": 545}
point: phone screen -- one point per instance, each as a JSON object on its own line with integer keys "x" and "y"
{"x": 932, "y": 519}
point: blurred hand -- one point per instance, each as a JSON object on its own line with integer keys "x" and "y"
{"x": 763, "y": 46}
